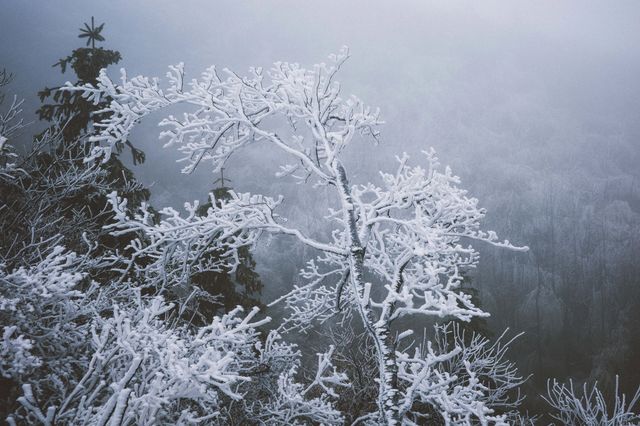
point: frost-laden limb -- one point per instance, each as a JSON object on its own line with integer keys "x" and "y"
{"x": 175, "y": 246}
{"x": 321, "y": 296}
{"x": 414, "y": 226}
{"x": 409, "y": 233}
{"x": 473, "y": 378}
{"x": 453, "y": 377}
{"x": 228, "y": 111}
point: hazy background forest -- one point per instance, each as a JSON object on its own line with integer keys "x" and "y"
{"x": 536, "y": 105}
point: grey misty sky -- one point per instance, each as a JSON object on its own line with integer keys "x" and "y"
{"x": 471, "y": 78}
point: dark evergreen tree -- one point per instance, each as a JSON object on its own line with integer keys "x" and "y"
{"x": 74, "y": 117}
{"x": 230, "y": 288}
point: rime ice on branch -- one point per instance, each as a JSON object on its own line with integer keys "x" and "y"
{"x": 408, "y": 233}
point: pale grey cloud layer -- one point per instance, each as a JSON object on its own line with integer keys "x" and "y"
{"x": 445, "y": 73}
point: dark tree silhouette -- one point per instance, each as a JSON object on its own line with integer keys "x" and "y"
{"x": 74, "y": 117}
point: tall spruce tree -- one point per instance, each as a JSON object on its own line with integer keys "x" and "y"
{"x": 72, "y": 117}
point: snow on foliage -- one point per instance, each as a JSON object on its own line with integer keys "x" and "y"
{"x": 10, "y": 124}
{"x": 407, "y": 233}
{"x": 290, "y": 407}
{"x": 43, "y": 307}
{"x": 144, "y": 371}
{"x": 134, "y": 362}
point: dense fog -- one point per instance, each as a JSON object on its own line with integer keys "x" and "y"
{"x": 535, "y": 105}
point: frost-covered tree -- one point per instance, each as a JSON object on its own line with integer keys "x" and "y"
{"x": 396, "y": 249}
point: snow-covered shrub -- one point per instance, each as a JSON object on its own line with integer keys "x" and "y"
{"x": 590, "y": 408}
{"x": 486, "y": 359}
{"x": 16, "y": 358}
{"x": 44, "y": 310}
{"x": 145, "y": 369}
